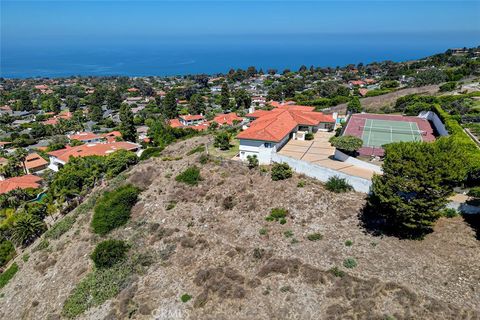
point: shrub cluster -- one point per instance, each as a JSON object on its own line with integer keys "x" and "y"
{"x": 338, "y": 185}
{"x": 277, "y": 214}
{"x": 7, "y": 252}
{"x": 60, "y": 227}
{"x": 281, "y": 171}
{"x": 315, "y": 236}
{"x": 113, "y": 209}
{"x": 108, "y": 253}
{"x": 151, "y": 152}
{"x": 190, "y": 176}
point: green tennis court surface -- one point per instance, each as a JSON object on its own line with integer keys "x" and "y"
{"x": 376, "y": 133}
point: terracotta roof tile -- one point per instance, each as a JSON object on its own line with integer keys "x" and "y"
{"x": 23, "y": 182}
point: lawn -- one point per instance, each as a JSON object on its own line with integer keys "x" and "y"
{"x": 227, "y": 154}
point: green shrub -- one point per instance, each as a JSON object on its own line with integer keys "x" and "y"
{"x": 42, "y": 245}
{"x": 309, "y": 136}
{"x": 252, "y": 161}
{"x": 222, "y": 140}
{"x": 108, "y": 253}
{"x": 200, "y": 148}
{"x": 347, "y": 144}
{"x": 288, "y": 233}
{"x": 281, "y": 171}
{"x": 277, "y": 214}
{"x": 7, "y": 275}
{"x": 263, "y": 231}
{"x": 338, "y": 185}
{"x": 171, "y": 205}
{"x": 301, "y": 184}
{"x": 25, "y": 257}
{"x": 204, "y": 158}
{"x": 449, "y": 86}
{"x": 185, "y": 297}
{"x": 314, "y": 237}
{"x": 449, "y": 213}
{"x": 350, "y": 263}
{"x": 7, "y": 252}
{"x": 60, "y": 227}
{"x": 474, "y": 192}
{"x": 190, "y": 176}
{"x": 113, "y": 209}
{"x": 151, "y": 152}
{"x": 337, "y": 272}
{"x": 349, "y": 243}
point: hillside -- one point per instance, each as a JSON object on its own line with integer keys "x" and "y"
{"x": 214, "y": 244}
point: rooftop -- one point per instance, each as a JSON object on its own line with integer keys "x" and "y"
{"x": 92, "y": 149}
{"x": 23, "y": 182}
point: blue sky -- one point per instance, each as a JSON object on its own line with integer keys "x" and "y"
{"x": 46, "y": 20}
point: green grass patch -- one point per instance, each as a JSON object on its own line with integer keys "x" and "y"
{"x": 60, "y": 227}
{"x": 8, "y": 274}
{"x": 185, "y": 297}
{"x": 277, "y": 214}
{"x": 200, "y": 148}
{"x": 350, "y": 263}
{"x": 225, "y": 154}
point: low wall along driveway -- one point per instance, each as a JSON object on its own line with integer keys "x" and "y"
{"x": 322, "y": 173}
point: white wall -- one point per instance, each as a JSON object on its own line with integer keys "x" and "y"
{"x": 437, "y": 123}
{"x": 339, "y": 155}
{"x": 322, "y": 173}
{"x": 257, "y": 147}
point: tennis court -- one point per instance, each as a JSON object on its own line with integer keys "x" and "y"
{"x": 376, "y": 132}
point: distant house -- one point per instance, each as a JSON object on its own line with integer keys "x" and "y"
{"x": 35, "y": 163}
{"x": 6, "y": 110}
{"x": 112, "y": 136}
{"x": 59, "y": 158}
{"x": 23, "y": 182}
{"x": 227, "y": 119}
{"x": 196, "y": 122}
{"x": 363, "y": 92}
{"x": 271, "y": 130}
{"x": 66, "y": 115}
{"x": 85, "y": 137}
{"x": 4, "y": 144}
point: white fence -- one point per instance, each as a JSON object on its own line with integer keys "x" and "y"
{"x": 322, "y": 173}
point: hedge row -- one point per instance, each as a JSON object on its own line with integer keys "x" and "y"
{"x": 463, "y": 140}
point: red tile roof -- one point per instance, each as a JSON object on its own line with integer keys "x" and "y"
{"x": 84, "y": 136}
{"x": 275, "y": 124}
{"x": 175, "y": 123}
{"x": 227, "y": 119}
{"x": 23, "y": 182}
{"x": 190, "y": 117}
{"x": 112, "y": 136}
{"x": 34, "y": 161}
{"x": 94, "y": 149}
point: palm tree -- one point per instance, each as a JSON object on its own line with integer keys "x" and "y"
{"x": 26, "y": 229}
{"x": 19, "y": 156}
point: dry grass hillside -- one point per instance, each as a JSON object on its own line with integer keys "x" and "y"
{"x": 214, "y": 244}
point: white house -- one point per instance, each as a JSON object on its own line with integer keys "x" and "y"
{"x": 271, "y": 130}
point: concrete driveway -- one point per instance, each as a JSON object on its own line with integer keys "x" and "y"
{"x": 319, "y": 151}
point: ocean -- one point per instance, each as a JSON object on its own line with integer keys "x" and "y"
{"x": 180, "y": 55}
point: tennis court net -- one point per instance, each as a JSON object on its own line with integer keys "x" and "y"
{"x": 392, "y": 130}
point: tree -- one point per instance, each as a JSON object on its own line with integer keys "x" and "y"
{"x": 19, "y": 156}
{"x": 95, "y": 113}
{"x": 127, "y": 125}
{"x": 170, "y": 105}
{"x": 197, "y": 104}
{"x": 26, "y": 229}
{"x": 72, "y": 103}
{"x": 354, "y": 106}
{"x": 243, "y": 99}
{"x": 222, "y": 140}
{"x": 225, "y": 96}
{"x": 24, "y": 103}
{"x": 417, "y": 180}
{"x": 114, "y": 100}
{"x": 347, "y": 144}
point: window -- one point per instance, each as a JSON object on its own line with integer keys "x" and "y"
{"x": 268, "y": 145}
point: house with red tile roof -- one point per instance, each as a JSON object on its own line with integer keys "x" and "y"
{"x": 54, "y": 120}
{"x": 59, "y": 158}
{"x": 85, "y": 137}
{"x": 271, "y": 130}
{"x": 227, "y": 119}
{"x": 22, "y": 182}
{"x": 35, "y": 163}
{"x": 112, "y": 136}
{"x": 196, "y": 122}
